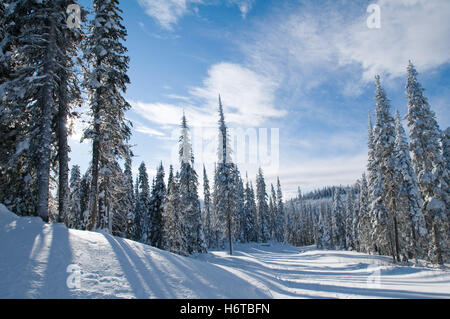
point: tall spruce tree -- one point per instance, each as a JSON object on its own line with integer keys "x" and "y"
{"x": 174, "y": 232}
{"x": 105, "y": 81}
{"x": 386, "y": 230}
{"x": 74, "y": 218}
{"x": 364, "y": 225}
{"x": 142, "y": 209}
{"x": 429, "y": 166}
{"x": 206, "y": 213}
{"x": 412, "y": 222}
{"x": 189, "y": 194}
{"x": 158, "y": 196}
{"x": 338, "y": 220}
{"x": 262, "y": 208}
{"x": 280, "y": 219}
{"x": 224, "y": 181}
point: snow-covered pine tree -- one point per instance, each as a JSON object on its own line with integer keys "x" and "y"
{"x": 141, "y": 222}
{"x": 364, "y": 225}
{"x": 174, "y": 231}
{"x": 250, "y": 233}
{"x": 411, "y": 220}
{"x": 262, "y": 208}
{"x": 206, "y": 212}
{"x": 356, "y": 213}
{"x": 272, "y": 212}
{"x": 280, "y": 220}
{"x": 429, "y": 166}
{"x": 349, "y": 212}
{"x": 158, "y": 197}
{"x": 323, "y": 231}
{"x": 105, "y": 81}
{"x": 84, "y": 199}
{"x": 37, "y": 48}
{"x": 129, "y": 200}
{"x": 338, "y": 220}
{"x": 74, "y": 217}
{"x": 224, "y": 181}
{"x": 189, "y": 194}
{"x": 239, "y": 214}
{"x": 386, "y": 232}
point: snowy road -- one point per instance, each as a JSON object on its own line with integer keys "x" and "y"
{"x": 37, "y": 261}
{"x": 284, "y": 271}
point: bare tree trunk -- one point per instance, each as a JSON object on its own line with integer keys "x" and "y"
{"x": 63, "y": 152}
{"x": 46, "y": 103}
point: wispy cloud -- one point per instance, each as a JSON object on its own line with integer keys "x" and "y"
{"x": 302, "y": 45}
{"x": 248, "y": 99}
{"x": 168, "y": 12}
{"x": 244, "y": 6}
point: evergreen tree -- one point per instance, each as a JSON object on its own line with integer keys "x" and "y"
{"x": 36, "y": 52}
{"x": 280, "y": 221}
{"x": 323, "y": 231}
{"x": 156, "y": 208}
{"x": 174, "y": 231}
{"x": 129, "y": 199}
{"x": 141, "y": 222}
{"x": 272, "y": 213}
{"x": 224, "y": 181}
{"x": 386, "y": 230}
{"x": 429, "y": 166}
{"x": 207, "y": 216}
{"x": 364, "y": 225}
{"x": 338, "y": 220}
{"x": 74, "y": 218}
{"x": 412, "y": 222}
{"x": 105, "y": 81}
{"x": 262, "y": 208}
{"x": 189, "y": 194}
{"x": 250, "y": 229}
{"x": 239, "y": 211}
{"x": 349, "y": 212}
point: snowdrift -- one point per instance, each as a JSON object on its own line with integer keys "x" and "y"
{"x": 35, "y": 257}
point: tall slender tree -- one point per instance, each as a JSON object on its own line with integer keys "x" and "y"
{"x": 189, "y": 193}
{"x": 105, "y": 81}
{"x": 262, "y": 208}
{"x": 157, "y": 201}
{"x": 429, "y": 166}
{"x": 206, "y": 213}
{"x": 224, "y": 181}
{"x": 412, "y": 222}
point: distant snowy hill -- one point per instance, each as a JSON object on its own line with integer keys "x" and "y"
{"x": 41, "y": 260}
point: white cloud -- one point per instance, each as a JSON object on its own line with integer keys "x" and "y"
{"x": 243, "y": 5}
{"x": 248, "y": 99}
{"x": 166, "y": 12}
{"x": 141, "y": 128}
{"x": 410, "y": 29}
{"x": 302, "y": 45}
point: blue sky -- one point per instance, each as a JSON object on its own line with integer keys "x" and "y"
{"x": 300, "y": 70}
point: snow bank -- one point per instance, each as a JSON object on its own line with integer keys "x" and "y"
{"x": 35, "y": 257}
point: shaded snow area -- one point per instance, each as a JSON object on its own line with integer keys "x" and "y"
{"x": 39, "y": 260}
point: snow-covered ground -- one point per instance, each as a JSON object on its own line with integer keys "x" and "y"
{"x": 39, "y": 260}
